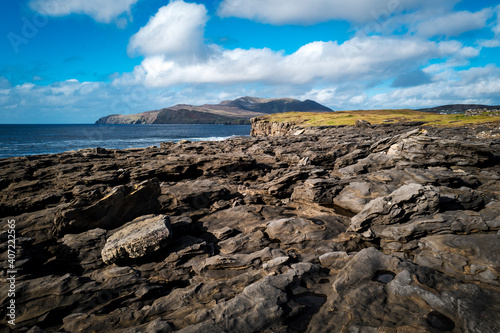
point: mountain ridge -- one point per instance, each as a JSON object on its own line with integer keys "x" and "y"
{"x": 238, "y": 111}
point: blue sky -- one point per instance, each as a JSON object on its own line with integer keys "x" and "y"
{"x": 73, "y": 61}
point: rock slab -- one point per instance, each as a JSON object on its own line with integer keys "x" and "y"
{"x": 142, "y": 236}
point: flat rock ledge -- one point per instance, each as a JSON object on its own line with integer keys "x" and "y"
{"x": 369, "y": 228}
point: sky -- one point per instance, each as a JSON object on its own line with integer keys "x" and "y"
{"x": 74, "y": 61}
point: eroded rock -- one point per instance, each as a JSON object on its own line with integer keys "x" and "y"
{"x": 401, "y": 205}
{"x": 137, "y": 238}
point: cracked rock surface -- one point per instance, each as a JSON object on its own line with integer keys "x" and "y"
{"x": 383, "y": 228}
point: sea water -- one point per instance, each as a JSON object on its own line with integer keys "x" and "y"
{"x": 21, "y": 140}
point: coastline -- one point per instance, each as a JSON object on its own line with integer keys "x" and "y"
{"x": 21, "y": 140}
{"x": 287, "y": 232}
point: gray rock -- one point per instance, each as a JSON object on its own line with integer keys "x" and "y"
{"x": 462, "y": 198}
{"x": 316, "y": 190}
{"x": 356, "y": 195}
{"x": 298, "y": 230}
{"x": 454, "y": 222}
{"x": 401, "y": 205}
{"x": 465, "y": 257}
{"x": 258, "y": 307}
{"x": 197, "y": 194}
{"x": 335, "y": 260}
{"x": 438, "y": 151}
{"x": 230, "y": 265}
{"x": 371, "y": 163}
{"x": 381, "y": 292}
{"x": 244, "y": 243}
{"x": 137, "y": 238}
{"x": 122, "y": 204}
{"x": 87, "y": 247}
{"x": 360, "y": 123}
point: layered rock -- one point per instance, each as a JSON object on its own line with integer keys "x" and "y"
{"x": 137, "y": 238}
{"x": 375, "y": 228}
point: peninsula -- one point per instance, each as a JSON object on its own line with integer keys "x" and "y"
{"x": 235, "y": 112}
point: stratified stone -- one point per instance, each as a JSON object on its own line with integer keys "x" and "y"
{"x": 142, "y": 236}
{"x": 401, "y": 205}
{"x": 383, "y": 293}
{"x": 470, "y": 258}
{"x": 453, "y": 222}
{"x": 438, "y": 151}
{"x": 121, "y": 204}
{"x": 316, "y": 190}
{"x": 296, "y": 230}
{"x": 356, "y": 195}
{"x": 86, "y": 247}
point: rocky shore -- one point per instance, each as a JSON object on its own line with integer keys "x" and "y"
{"x": 387, "y": 228}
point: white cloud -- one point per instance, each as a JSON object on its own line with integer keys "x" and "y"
{"x": 176, "y": 30}
{"x": 101, "y": 10}
{"x": 454, "y": 24}
{"x": 496, "y": 28}
{"x": 314, "y": 11}
{"x": 490, "y": 43}
{"x": 357, "y": 59}
{"x": 477, "y": 85}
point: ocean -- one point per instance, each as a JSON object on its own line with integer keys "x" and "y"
{"x": 22, "y": 140}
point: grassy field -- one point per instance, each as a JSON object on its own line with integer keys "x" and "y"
{"x": 377, "y": 117}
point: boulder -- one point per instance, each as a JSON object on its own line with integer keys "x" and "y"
{"x": 230, "y": 265}
{"x": 360, "y": 123}
{"x": 426, "y": 150}
{"x": 401, "y": 205}
{"x": 356, "y": 195}
{"x": 297, "y": 230}
{"x": 137, "y": 238}
{"x": 316, "y": 190}
{"x": 371, "y": 163}
{"x": 462, "y": 198}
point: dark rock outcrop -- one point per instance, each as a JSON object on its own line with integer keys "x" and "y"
{"x": 235, "y": 112}
{"x": 385, "y": 228}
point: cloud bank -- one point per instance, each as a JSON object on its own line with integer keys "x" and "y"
{"x": 314, "y": 11}
{"x": 175, "y": 53}
{"x": 104, "y": 11}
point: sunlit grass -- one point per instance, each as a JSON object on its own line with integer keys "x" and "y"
{"x": 376, "y": 117}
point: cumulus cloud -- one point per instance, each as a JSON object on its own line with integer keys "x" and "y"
{"x": 357, "y": 59}
{"x": 104, "y": 11}
{"x": 479, "y": 85}
{"x": 170, "y": 61}
{"x": 454, "y": 24}
{"x": 469, "y": 88}
{"x": 176, "y": 31}
{"x": 59, "y": 102}
{"x": 314, "y": 11}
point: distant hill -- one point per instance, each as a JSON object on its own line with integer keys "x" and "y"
{"x": 458, "y": 108}
{"x": 238, "y": 111}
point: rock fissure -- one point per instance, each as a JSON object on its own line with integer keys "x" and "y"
{"x": 374, "y": 228}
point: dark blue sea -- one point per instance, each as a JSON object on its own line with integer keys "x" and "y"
{"x": 21, "y": 140}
